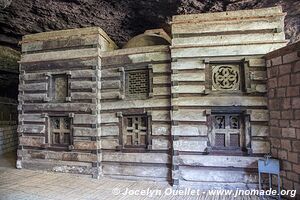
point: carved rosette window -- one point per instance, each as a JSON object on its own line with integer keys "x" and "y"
{"x": 226, "y": 78}
{"x": 59, "y": 88}
{"x": 137, "y": 83}
{"x": 135, "y": 131}
{"x": 226, "y": 131}
{"x": 60, "y": 131}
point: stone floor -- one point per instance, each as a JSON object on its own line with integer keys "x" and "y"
{"x": 38, "y": 185}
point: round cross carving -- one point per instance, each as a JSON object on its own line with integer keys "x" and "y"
{"x": 225, "y": 77}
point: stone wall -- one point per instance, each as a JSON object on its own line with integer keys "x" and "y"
{"x": 284, "y": 104}
{"x": 8, "y": 138}
{"x": 8, "y": 127}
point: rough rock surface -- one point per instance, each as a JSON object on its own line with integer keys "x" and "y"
{"x": 120, "y": 19}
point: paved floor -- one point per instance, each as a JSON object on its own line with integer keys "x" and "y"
{"x": 38, "y": 185}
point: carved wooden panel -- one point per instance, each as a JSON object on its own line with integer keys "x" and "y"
{"x": 226, "y": 131}
{"x": 60, "y": 130}
{"x": 135, "y": 131}
{"x": 60, "y": 87}
{"x": 137, "y": 83}
{"x": 226, "y": 77}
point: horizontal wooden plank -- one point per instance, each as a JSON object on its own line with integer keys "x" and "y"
{"x": 161, "y": 80}
{"x": 260, "y": 147}
{"x": 161, "y": 68}
{"x": 193, "y": 145}
{"x": 140, "y": 171}
{"x": 109, "y": 143}
{"x": 82, "y": 107}
{"x": 189, "y": 130}
{"x": 135, "y": 104}
{"x": 86, "y": 145}
{"x": 221, "y": 100}
{"x": 263, "y": 12}
{"x": 160, "y": 144}
{"x": 109, "y": 118}
{"x": 113, "y": 84}
{"x": 60, "y": 55}
{"x": 136, "y": 157}
{"x": 228, "y": 50}
{"x": 188, "y": 63}
{"x": 61, "y": 66}
{"x": 32, "y": 97}
{"x": 83, "y": 84}
{"x": 83, "y": 73}
{"x": 161, "y": 91}
{"x": 109, "y": 130}
{"x": 160, "y": 115}
{"x": 193, "y": 76}
{"x": 137, "y": 50}
{"x": 259, "y": 115}
{"x": 217, "y": 161}
{"x": 259, "y": 130}
{"x": 210, "y": 40}
{"x": 56, "y": 155}
{"x": 85, "y": 119}
{"x": 31, "y": 118}
{"x": 58, "y": 43}
{"x": 31, "y": 128}
{"x": 161, "y": 129}
{"x": 33, "y": 76}
{"x": 188, "y": 89}
{"x": 34, "y": 141}
{"x": 228, "y": 25}
{"x": 83, "y": 95}
{"x": 33, "y": 87}
{"x": 110, "y": 95}
{"x": 189, "y": 115}
{"x": 84, "y": 131}
{"x": 68, "y": 33}
{"x": 227, "y": 176}
{"x": 110, "y": 73}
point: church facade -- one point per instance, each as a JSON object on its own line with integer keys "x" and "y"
{"x": 190, "y": 109}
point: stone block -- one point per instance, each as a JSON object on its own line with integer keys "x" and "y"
{"x": 286, "y": 144}
{"x": 280, "y": 92}
{"x": 293, "y": 91}
{"x": 285, "y": 69}
{"x": 288, "y": 114}
{"x": 296, "y": 146}
{"x": 276, "y": 61}
{"x": 291, "y": 57}
{"x": 295, "y": 123}
{"x": 284, "y": 80}
{"x": 296, "y": 102}
{"x": 295, "y": 79}
{"x": 289, "y": 132}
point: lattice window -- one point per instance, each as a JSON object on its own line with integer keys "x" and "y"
{"x": 60, "y": 131}
{"x": 60, "y": 88}
{"x": 137, "y": 83}
{"x": 226, "y": 78}
{"x": 135, "y": 131}
{"x": 226, "y": 131}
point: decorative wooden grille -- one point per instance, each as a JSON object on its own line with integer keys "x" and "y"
{"x": 226, "y": 131}
{"x": 226, "y": 77}
{"x": 137, "y": 83}
{"x": 60, "y": 88}
{"x": 135, "y": 133}
{"x": 60, "y": 130}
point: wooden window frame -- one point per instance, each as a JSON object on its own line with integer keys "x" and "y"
{"x": 122, "y": 127}
{"x": 245, "y": 131}
{"x": 243, "y": 64}
{"x": 48, "y": 141}
{"x": 51, "y": 87}
{"x": 125, "y": 70}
